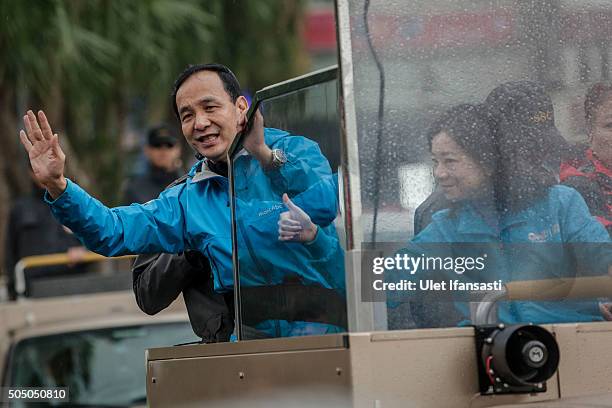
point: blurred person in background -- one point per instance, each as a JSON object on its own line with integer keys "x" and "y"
{"x": 163, "y": 153}
{"x": 32, "y": 230}
{"x": 590, "y": 170}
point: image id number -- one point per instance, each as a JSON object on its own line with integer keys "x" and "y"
{"x": 35, "y": 394}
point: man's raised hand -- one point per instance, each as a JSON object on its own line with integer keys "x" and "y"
{"x": 254, "y": 142}
{"x": 45, "y": 154}
{"x": 295, "y": 225}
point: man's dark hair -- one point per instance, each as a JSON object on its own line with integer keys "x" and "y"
{"x": 227, "y": 77}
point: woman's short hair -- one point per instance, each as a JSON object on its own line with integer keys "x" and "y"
{"x": 517, "y": 180}
{"x": 469, "y": 127}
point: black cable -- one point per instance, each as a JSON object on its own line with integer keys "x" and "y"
{"x": 379, "y": 127}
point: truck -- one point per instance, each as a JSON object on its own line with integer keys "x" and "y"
{"x": 400, "y": 65}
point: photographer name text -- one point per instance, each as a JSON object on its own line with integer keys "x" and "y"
{"x": 431, "y": 285}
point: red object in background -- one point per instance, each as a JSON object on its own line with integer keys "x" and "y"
{"x": 443, "y": 30}
{"x": 594, "y": 172}
{"x": 434, "y": 31}
{"x": 320, "y": 30}
{"x": 466, "y": 29}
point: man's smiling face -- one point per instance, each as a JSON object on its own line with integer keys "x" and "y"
{"x": 209, "y": 118}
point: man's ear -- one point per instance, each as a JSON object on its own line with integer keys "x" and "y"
{"x": 242, "y": 107}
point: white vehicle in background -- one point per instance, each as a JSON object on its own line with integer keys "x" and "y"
{"x": 91, "y": 344}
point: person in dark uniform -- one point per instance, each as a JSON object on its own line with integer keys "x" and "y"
{"x": 32, "y": 230}
{"x": 163, "y": 154}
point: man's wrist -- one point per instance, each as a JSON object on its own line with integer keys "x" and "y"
{"x": 263, "y": 156}
{"x": 56, "y": 187}
{"x": 311, "y": 234}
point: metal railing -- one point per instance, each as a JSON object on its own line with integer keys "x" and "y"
{"x": 545, "y": 289}
{"x": 38, "y": 261}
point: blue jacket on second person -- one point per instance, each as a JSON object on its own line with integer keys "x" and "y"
{"x": 556, "y": 237}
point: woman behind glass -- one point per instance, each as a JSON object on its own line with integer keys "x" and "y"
{"x": 506, "y": 199}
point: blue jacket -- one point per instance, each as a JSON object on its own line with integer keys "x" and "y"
{"x": 529, "y": 244}
{"x": 196, "y": 215}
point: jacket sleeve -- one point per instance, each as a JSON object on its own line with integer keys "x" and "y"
{"x": 588, "y": 239}
{"x": 158, "y": 280}
{"x": 307, "y": 178}
{"x": 157, "y": 226}
{"x": 328, "y": 257}
{"x": 320, "y": 201}
{"x": 305, "y": 165}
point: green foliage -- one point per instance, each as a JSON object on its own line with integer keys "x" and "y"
{"x": 265, "y": 34}
{"x": 89, "y": 62}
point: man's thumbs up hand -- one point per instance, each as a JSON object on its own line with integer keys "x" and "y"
{"x": 295, "y": 225}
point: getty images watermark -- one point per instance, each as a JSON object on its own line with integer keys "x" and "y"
{"x": 446, "y": 273}
{"x": 406, "y": 264}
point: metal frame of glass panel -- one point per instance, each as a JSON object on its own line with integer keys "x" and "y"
{"x": 282, "y": 88}
{"x": 361, "y": 315}
{"x": 273, "y": 91}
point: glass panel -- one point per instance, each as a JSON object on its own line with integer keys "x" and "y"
{"x": 474, "y": 150}
{"x": 293, "y": 287}
{"x": 100, "y": 367}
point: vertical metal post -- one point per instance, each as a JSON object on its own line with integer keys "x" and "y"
{"x": 235, "y": 263}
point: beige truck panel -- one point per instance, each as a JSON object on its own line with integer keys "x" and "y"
{"x": 428, "y": 368}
